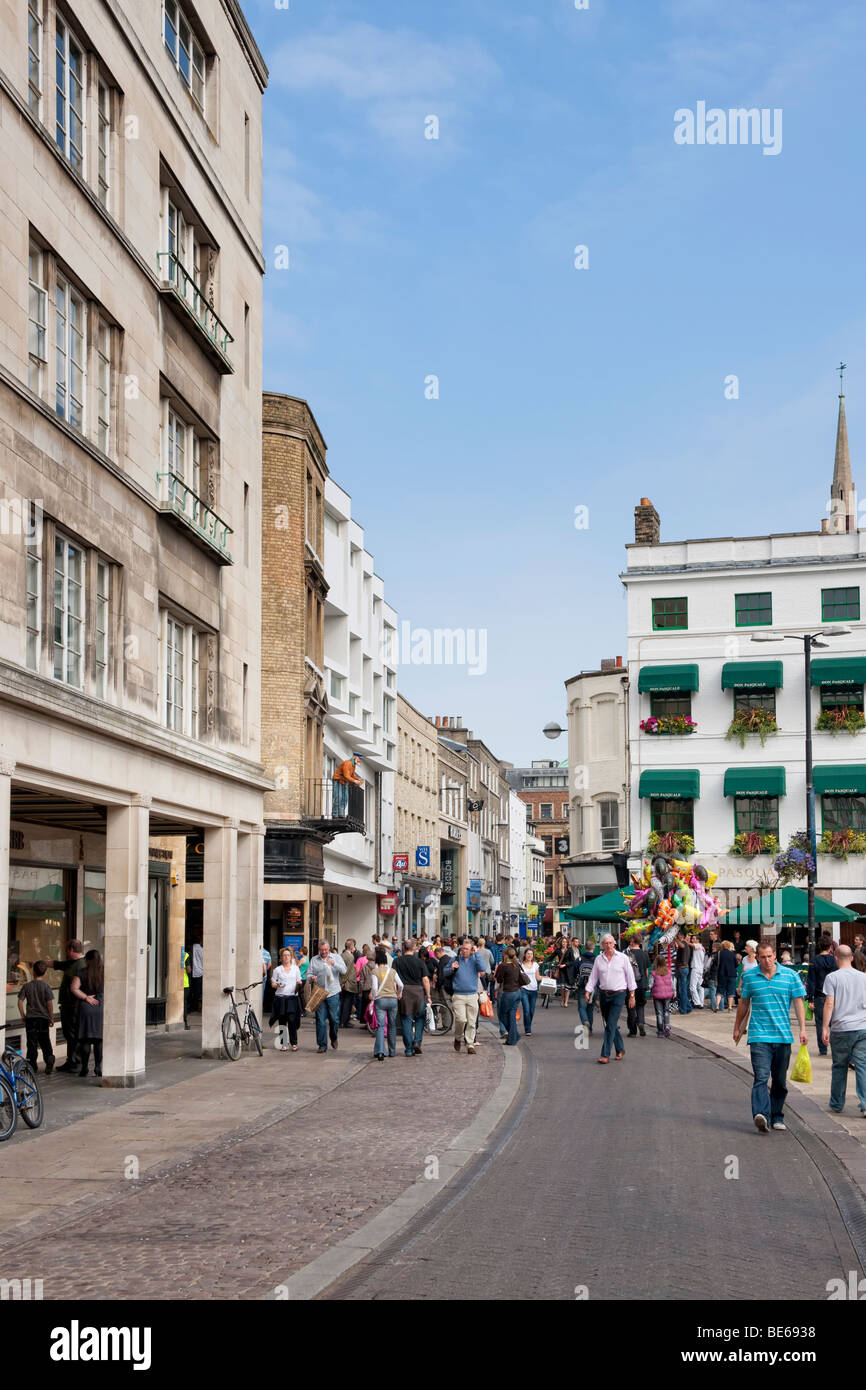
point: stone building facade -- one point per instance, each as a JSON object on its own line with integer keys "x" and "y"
{"x": 416, "y": 817}
{"x": 130, "y": 456}
{"x": 453, "y": 769}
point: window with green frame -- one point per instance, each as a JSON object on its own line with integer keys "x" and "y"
{"x": 668, "y": 702}
{"x": 839, "y": 605}
{"x": 753, "y": 610}
{"x": 671, "y": 813}
{"x": 760, "y": 698}
{"x": 844, "y": 812}
{"x": 840, "y": 696}
{"x": 670, "y": 613}
{"x": 756, "y": 814}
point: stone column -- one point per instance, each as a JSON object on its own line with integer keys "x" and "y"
{"x": 7, "y": 769}
{"x": 219, "y": 943}
{"x": 250, "y": 909}
{"x": 126, "y": 869}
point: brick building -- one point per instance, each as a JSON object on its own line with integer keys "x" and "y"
{"x": 543, "y": 788}
{"x": 294, "y": 702}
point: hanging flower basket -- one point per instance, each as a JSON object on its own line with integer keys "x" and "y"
{"x": 752, "y": 721}
{"x": 841, "y": 843}
{"x": 796, "y": 861}
{"x": 668, "y": 724}
{"x": 847, "y": 717}
{"x": 751, "y": 842}
{"x": 670, "y": 842}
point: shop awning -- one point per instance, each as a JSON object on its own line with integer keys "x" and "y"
{"x": 788, "y": 904}
{"x": 841, "y": 780}
{"x": 755, "y": 781}
{"x": 677, "y": 784}
{"x": 839, "y": 670}
{"x": 608, "y": 907}
{"x": 661, "y": 678}
{"x": 762, "y": 675}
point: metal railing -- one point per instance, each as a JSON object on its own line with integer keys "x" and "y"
{"x": 327, "y": 800}
{"x": 188, "y": 292}
{"x": 185, "y": 503}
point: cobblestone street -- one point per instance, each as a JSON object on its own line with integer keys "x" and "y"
{"x": 247, "y": 1173}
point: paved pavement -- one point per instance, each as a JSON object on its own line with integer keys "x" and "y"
{"x": 247, "y": 1171}
{"x": 717, "y": 1028}
{"x": 618, "y": 1182}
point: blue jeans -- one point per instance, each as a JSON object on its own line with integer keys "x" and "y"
{"x": 818, "y": 1008}
{"x": 663, "y": 1015}
{"x": 386, "y": 1017}
{"x": 585, "y": 1009}
{"x": 726, "y": 989}
{"x": 611, "y": 1008}
{"x": 713, "y": 993}
{"x": 509, "y": 999}
{"x": 412, "y": 1028}
{"x": 327, "y": 1017}
{"x": 528, "y": 999}
{"x": 683, "y": 1000}
{"x": 770, "y": 1061}
{"x": 845, "y": 1048}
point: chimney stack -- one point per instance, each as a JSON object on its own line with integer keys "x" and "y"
{"x": 647, "y": 526}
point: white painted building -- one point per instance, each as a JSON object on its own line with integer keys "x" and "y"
{"x": 517, "y": 854}
{"x": 360, "y": 652}
{"x": 597, "y": 705}
{"x": 535, "y": 855}
{"x": 693, "y": 607}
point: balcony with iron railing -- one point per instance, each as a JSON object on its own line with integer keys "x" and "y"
{"x": 335, "y": 806}
{"x": 182, "y": 294}
{"x": 185, "y": 508}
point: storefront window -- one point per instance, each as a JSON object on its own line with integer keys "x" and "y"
{"x": 38, "y": 917}
{"x": 93, "y": 933}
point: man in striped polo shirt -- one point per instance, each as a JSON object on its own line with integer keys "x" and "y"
{"x": 768, "y": 991}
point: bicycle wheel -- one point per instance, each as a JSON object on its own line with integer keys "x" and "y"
{"x": 255, "y": 1031}
{"x": 443, "y": 1016}
{"x": 8, "y": 1110}
{"x": 29, "y": 1096}
{"x": 231, "y": 1036}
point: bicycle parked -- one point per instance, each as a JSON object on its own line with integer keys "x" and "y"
{"x": 240, "y": 1026}
{"x": 19, "y": 1093}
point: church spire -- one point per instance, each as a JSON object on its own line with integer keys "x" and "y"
{"x": 843, "y": 507}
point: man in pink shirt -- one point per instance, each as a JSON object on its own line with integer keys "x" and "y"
{"x": 613, "y": 974}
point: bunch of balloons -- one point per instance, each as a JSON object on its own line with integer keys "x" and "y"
{"x": 670, "y": 894}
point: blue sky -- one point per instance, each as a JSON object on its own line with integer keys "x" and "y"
{"x": 559, "y": 387}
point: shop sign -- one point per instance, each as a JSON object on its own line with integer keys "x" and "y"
{"x": 454, "y": 832}
{"x": 387, "y": 904}
{"x": 400, "y": 863}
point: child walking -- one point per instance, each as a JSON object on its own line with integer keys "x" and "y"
{"x": 661, "y": 993}
{"x": 38, "y": 996}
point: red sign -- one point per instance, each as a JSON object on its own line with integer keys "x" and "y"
{"x": 388, "y": 904}
{"x": 401, "y": 864}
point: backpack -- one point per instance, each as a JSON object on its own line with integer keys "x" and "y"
{"x": 444, "y": 982}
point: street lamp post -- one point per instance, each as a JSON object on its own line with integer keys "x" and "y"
{"x": 809, "y": 640}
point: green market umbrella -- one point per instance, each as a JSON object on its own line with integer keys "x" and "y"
{"x": 608, "y": 908}
{"x": 786, "y": 905}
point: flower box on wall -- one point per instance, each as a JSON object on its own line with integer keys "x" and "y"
{"x": 751, "y": 842}
{"x": 846, "y": 717}
{"x": 841, "y": 843}
{"x": 668, "y": 724}
{"x": 670, "y": 842}
{"x": 752, "y": 721}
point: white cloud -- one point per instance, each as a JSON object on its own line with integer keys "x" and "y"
{"x": 398, "y": 76}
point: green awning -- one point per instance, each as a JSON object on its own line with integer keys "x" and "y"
{"x": 609, "y": 907}
{"x": 661, "y": 678}
{"x": 755, "y": 781}
{"x": 839, "y": 670}
{"x": 788, "y": 904}
{"x": 842, "y": 780}
{"x": 677, "y": 784}
{"x": 763, "y": 675}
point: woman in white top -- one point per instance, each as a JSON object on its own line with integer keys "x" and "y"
{"x": 387, "y": 988}
{"x": 696, "y": 973}
{"x": 286, "y": 980}
{"x": 529, "y": 993}
{"x": 749, "y": 962}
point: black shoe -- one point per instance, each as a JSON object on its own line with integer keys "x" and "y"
{"x": 323, "y": 1049}
{"x": 380, "y": 1056}
{"x": 417, "y": 1050}
{"x": 98, "y": 1071}
{"x": 83, "y": 1071}
{"x": 642, "y": 1032}
{"x": 68, "y": 1066}
{"x": 187, "y": 1026}
{"x": 49, "y": 1066}
{"x": 334, "y": 1043}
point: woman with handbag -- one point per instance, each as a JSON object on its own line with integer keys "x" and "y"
{"x": 286, "y": 980}
{"x": 511, "y": 978}
{"x": 364, "y": 977}
{"x": 386, "y": 987}
{"x": 529, "y": 992}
